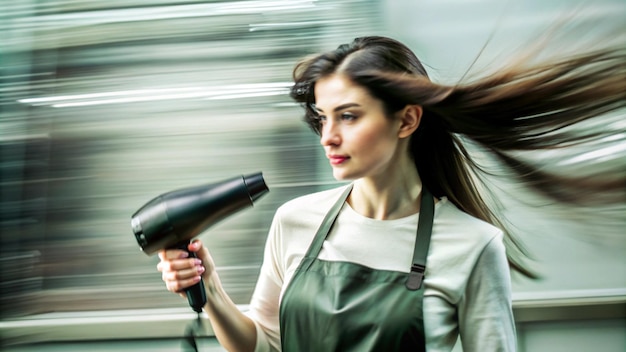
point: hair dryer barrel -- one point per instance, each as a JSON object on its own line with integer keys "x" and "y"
{"x": 180, "y": 215}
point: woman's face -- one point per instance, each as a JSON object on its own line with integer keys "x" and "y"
{"x": 357, "y": 136}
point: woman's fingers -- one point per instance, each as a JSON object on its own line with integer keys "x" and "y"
{"x": 178, "y": 286}
{"x": 165, "y": 254}
{"x": 202, "y": 253}
{"x": 178, "y": 264}
{"x": 179, "y": 280}
{"x": 183, "y": 273}
{"x": 178, "y": 270}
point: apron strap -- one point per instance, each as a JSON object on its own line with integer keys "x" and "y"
{"x": 422, "y": 242}
{"x": 324, "y": 229}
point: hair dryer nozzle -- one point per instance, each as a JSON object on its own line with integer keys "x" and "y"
{"x": 256, "y": 185}
{"x": 180, "y": 215}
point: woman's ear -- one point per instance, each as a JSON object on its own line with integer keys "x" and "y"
{"x": 410, "y": 117}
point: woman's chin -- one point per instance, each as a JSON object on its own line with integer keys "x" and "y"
{"x": 343, "y": 176}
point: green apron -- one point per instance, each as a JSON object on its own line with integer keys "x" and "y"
{"x": 341, "y": 306}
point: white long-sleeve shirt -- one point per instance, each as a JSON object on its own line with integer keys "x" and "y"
{"x": 467, "y": 281}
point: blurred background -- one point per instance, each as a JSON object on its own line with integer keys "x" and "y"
{"x": 107, "y": 104}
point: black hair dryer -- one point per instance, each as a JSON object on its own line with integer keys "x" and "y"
{"x": 173, "y": 219}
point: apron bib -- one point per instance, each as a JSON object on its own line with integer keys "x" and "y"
{"x": 341, "y": 306}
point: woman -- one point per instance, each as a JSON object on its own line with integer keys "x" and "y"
{"x": 368, "y": 266}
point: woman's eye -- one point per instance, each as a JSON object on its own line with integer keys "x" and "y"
{"x": 348, "y": 116}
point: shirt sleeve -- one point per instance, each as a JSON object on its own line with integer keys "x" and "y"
{"x": 264, "y": 305}
{"x": 485, "y": 312}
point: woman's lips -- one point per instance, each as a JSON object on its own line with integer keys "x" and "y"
{"x": 337, "y": 159}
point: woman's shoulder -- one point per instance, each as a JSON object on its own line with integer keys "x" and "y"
{"x": 455, "y": 223}
{"x": 311, "y": 204}
{"x": 296, "y": 221}
{"x": 459, "y": 240}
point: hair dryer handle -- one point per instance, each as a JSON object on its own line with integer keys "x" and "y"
{"x": 196, "y": 294}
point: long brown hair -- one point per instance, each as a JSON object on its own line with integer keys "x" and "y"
{"x": 520, "y": 107}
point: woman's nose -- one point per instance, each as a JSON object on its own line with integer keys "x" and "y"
{"x": 329, "y": 134}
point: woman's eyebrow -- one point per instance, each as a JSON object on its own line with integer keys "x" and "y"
{"x": 339, "y": 108}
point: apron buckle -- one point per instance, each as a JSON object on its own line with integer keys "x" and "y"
{"x": 416, "y": 276}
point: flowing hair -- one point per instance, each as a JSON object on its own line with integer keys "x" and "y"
{"x": 521, "y": 107}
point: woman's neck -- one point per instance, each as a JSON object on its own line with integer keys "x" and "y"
{"x": 391, "y": 196}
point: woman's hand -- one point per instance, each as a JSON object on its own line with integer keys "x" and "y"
{"x": 233, "y": 329}
{"x": 180, "y": 271}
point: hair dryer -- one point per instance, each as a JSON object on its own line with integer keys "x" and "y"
{"x": 173, "y": 219}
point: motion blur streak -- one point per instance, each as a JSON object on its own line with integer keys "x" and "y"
{"x": 106, "y": 104}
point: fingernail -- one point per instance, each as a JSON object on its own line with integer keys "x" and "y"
{"x": 200, "y": 269}
{"x": 197, "y": 261}
{"x": 196, "y": 279}
{"x": 184, "y": 255}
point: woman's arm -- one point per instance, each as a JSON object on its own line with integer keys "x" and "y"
{"x": 485, "y": 313}
{"x": 234, "y": 330}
